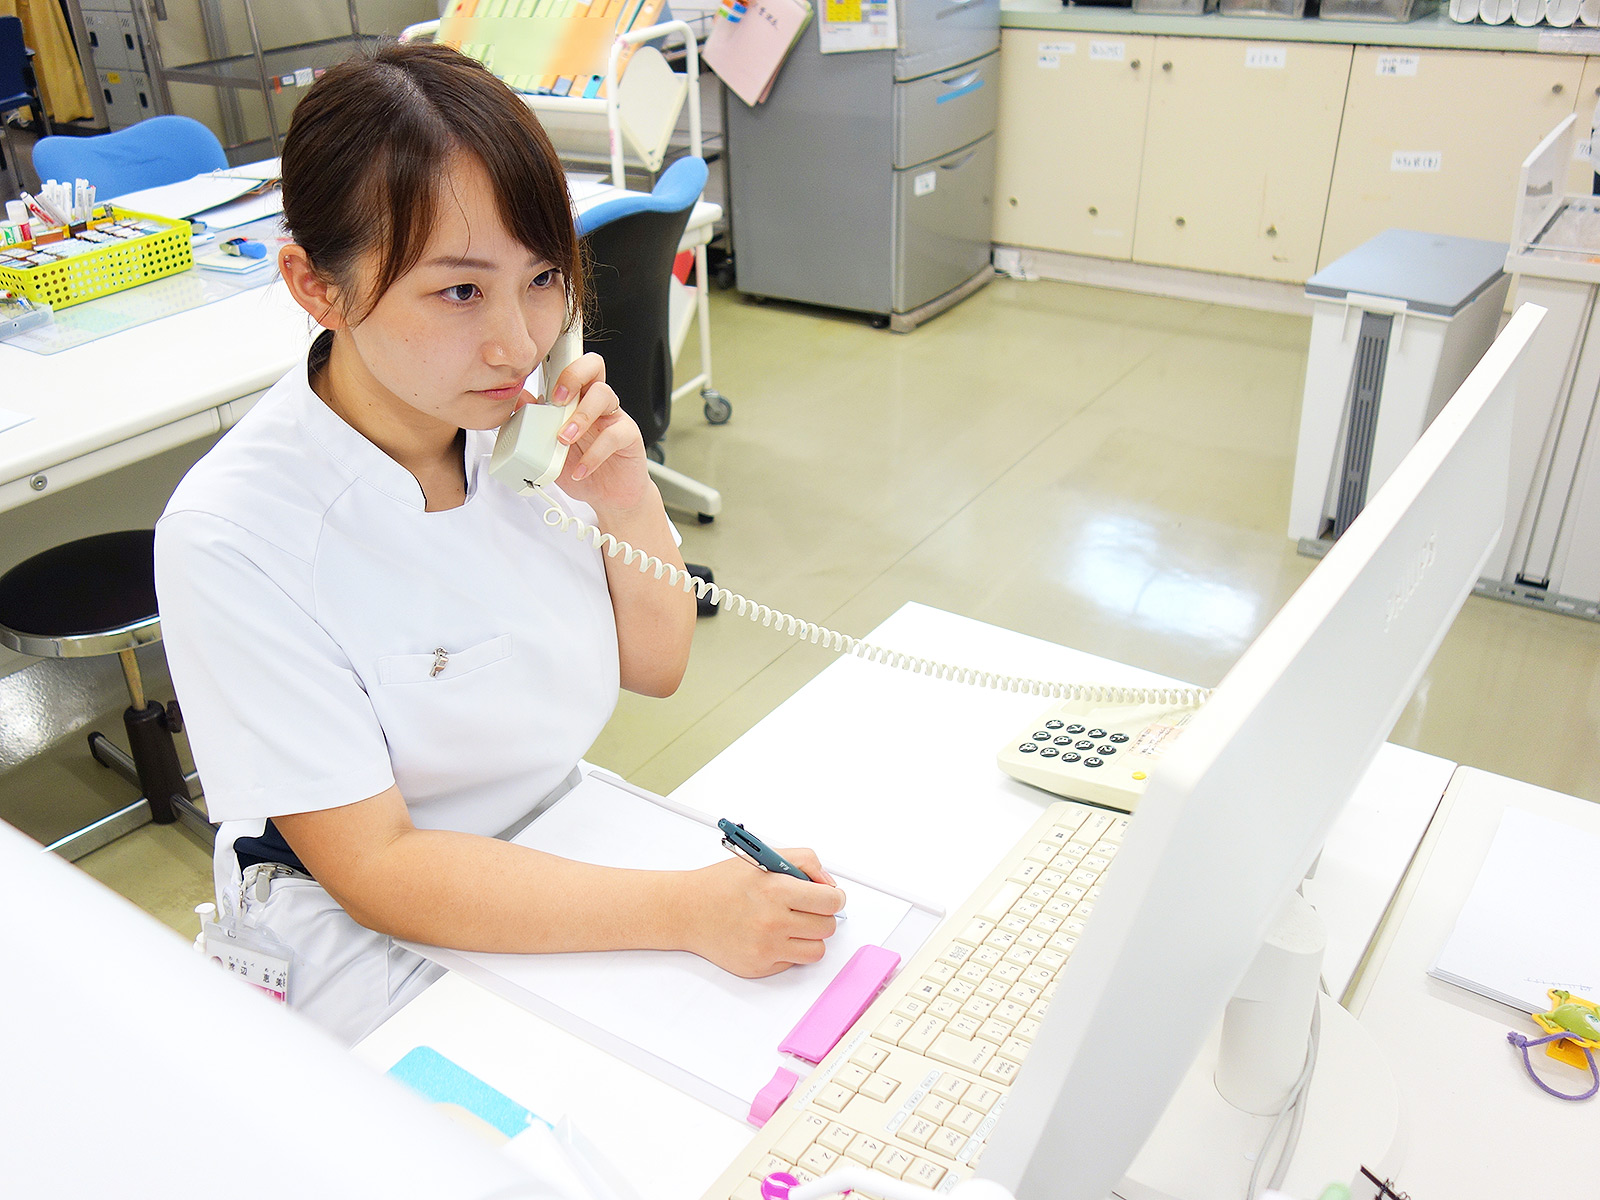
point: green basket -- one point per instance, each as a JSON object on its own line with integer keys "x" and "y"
{"x": 106, "y": 269}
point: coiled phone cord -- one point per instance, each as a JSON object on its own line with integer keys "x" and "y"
{"x": 558, "y": 518}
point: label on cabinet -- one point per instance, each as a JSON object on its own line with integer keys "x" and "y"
{"x": 1106, "y": 51}
{"x": 922, "y": 184}
{"x": 1416, "y": 160}
{"x": 1268, "y": 57}
{"x": 1050, "y": 54}
{"x": 1395, "y": 65}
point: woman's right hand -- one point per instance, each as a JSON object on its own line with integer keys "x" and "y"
{"x": 753, "y": 922}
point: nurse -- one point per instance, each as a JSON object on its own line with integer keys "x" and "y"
{"x": 386, "y": 659}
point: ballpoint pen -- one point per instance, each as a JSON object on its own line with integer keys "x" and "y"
{"x": 748, "y": 846}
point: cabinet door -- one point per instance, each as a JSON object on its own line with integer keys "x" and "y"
{"x": 1581, "y": 177}
{"x": 1070, "y": 139}
{"x": 1238, "y": 152}
{"x": 1433, "y": 140}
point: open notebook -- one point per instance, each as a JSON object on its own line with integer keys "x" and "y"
{"x": 683, "y": 1019}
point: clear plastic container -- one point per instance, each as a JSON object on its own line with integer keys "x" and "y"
{"x": 1262, "y": 8}
{"x": 1376, "y": 10}
{"x": 1192, "y": 8}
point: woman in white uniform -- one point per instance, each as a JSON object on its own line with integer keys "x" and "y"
{"x": 385, "y": 657}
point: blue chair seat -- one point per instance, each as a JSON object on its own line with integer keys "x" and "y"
{"x": 158, "y": 151}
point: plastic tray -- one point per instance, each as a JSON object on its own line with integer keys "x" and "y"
{"x": 106, "y": 269}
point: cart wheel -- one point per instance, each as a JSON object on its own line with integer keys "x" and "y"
{"x": 880, "y": 322}
{"x": 655, "y": 453}
{"x": 704, "y": 518}
{"x": 718, "y": 407}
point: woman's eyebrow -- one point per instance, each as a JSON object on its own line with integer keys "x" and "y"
{"x": 479, "y": 264}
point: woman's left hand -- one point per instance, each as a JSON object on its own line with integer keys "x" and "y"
{"x": 606, "y": 466}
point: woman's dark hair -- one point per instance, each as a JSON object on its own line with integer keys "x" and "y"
{"x": 365, "y": 159}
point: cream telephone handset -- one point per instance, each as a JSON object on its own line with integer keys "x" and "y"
{"x": 527, "y": 452}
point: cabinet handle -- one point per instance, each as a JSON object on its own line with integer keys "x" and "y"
{"x": 1180, "y": 222}
{"x": 1093, "y": 211}
{"x": 1558, "y": 89}
{"x": 1272, "y": 231}
{"x": 1012, "y": 201}
{"x": 1166, "y": 66}
{"x": 1134, "y": 64}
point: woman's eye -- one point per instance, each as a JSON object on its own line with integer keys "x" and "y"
{"x": 546, "y": 279}
{"x": 460, "y": 293}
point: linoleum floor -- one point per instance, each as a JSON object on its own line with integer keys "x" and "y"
{"x": 1102, "y": 469}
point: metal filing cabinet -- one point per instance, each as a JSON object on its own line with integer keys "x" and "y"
{"x": 866, "y": 180}
{"x": 112, "y": 55}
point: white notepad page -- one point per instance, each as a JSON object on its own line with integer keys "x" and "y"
{"x": 683, "y": 1019}
{"x": 1528, "y": 924}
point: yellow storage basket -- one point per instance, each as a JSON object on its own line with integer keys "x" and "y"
{"x": 105, "y": 269}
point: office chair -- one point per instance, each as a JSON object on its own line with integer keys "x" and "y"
{"x": 631, "y": 244}
{"x": 149, "y": 154}
{"x": 94, "y": 596}
{"x": 18, "y": 89}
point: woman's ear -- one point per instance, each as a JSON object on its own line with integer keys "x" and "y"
{"x": 317, "y": 295}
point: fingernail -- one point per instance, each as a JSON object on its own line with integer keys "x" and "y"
{"x": 579, "y": 471}
{"x": 570, "y": 432}
{"x": 559, "y": 396}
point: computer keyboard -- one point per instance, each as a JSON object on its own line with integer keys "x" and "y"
{"x": 915, "y": 1087}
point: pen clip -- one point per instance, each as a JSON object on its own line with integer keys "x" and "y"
{"x": 742, "y": 853}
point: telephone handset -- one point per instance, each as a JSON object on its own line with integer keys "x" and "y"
{"x": 527, "y": 453}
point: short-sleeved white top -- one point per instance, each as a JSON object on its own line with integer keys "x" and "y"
{"x": 305, "y": 596}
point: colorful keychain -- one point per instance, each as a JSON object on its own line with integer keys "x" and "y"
{"x": 1572, "y": 1028}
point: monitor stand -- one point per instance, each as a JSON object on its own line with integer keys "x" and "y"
{"x": 1205, "y": 1147}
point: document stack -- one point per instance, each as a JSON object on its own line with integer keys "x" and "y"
{"x": 749, "y": 42}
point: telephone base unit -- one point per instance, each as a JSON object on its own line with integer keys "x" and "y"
{"x": 1095, "y": 750}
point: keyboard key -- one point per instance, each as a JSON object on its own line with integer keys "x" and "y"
{"x": 1096, "y": 824}
{"x": 963, "y": 1119}
{"x": 965, "y": 1026}
{"x": 834, "y": 1097}
{"x": 1026, "y": 908}
{"x": 1000, "y": 903}
{"x": 1083, "y": 877}
{"x": 800, "y": 1135}
{"x": 747, "y": 1189}
{"x": 1107, "y": 849}
{"x": 935, "y": 1107}
{"x": 864, "y": 1149}
{"x": 1043, "y": 852}
{"x": 997, "y": 1032}
{"x": 910, "y": 1006}
{"x": 947, "y": 1142}
{"x": 1003, "y": 939}
{"x": 1095, "y": 863}
{"x": 951, "y": 1087}
{"x": 955, "y": 953}
{"x": 924, "y": 1173}
{"x": 978, "y": 1007}
{"x": 1065, "y": 943}
{"x": 986, "y": 956}
{"x": 1021, "y": 955}
{"x": 926, "y": 989}
{"x": 959, "y": 990}
{"x": 1038, "y": 976}
{"x": 1040, "y": 1007}
{"x": 944, "y": 1007}
{"x": 891, "y": 1029}
{"x": 851, "y": 1076}
{"x": 1014, "y": 1048}
{"x": 1001, "y": 1070}
{"x": 993, "y": 989}
{"x": 768, "y": 1165}
{"x": 1051, "y": 880}
{"x": 939, "y": 972}
{"x": 1047, "y": 923}
{"x": 1015, "y": 922}
{"x": 836, "y": 1137}
{"x": 1008, "y": 972}
{"x": 893, "y": 1161}
{"x": 980, "y": 1098}
{"x": 1119, "y": 827}
{"x": 977, "y": 929}
{"x": 1051, "y": 960}
{"x": 869, "y": 1056}
{"x": 1061, "y": 906}
{"x": 1025, "y": 872}
{"x": 974, "y": 973}
{"x": 1041, "y": 894}
{"x": 918, "y": 1130}
{"x": 1010, "y": 1012}
{"x": 956, "y": 1051}
{"x": 1034, "y": 939}
{"x": 1027, "y": 1029}
{"x": 920, "y": 1035}
{"x": 879, "y": 1087}
{"x": 1025, "y": 993}
{"x": 818, "y": 1159}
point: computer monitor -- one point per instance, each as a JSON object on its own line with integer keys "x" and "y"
{"x": 1237, "y": 811}
{"x": 135, "y": 1068}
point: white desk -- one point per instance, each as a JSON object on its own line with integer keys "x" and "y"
{"x": 866, "y": 762}
{"x": 1474, "y": 1126}
{"x": 133, "y": 394}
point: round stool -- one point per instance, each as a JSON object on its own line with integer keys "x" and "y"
{"x": 96, "y": 596}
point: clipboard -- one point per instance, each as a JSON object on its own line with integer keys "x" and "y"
{"x": 686, "y": 1021}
